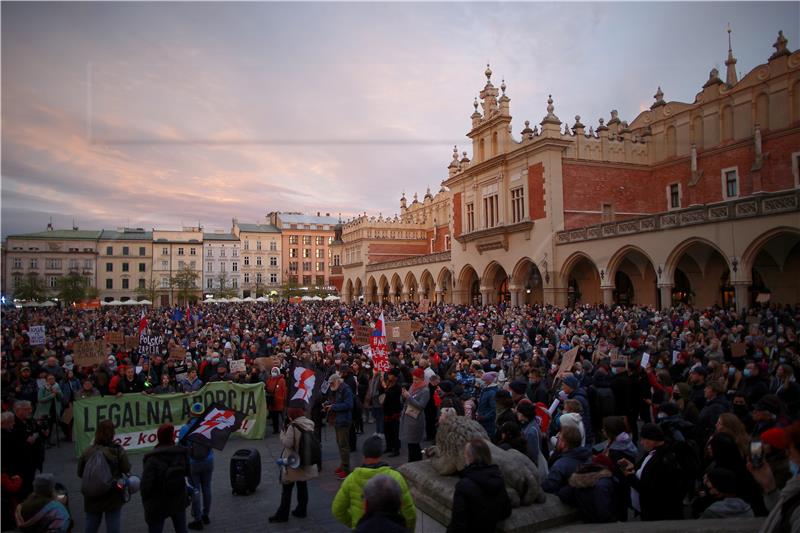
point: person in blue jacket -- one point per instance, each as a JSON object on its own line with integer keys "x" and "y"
{"x": 486, "y": 404}
{"x": 342, "y": 409}
{"x": 201, "y": 467}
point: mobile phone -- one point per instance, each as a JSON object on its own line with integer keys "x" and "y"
{"x": 756, "y": 456}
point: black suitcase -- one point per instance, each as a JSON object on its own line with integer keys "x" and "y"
{"x": 245, "y": 471}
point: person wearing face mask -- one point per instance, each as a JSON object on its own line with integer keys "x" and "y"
{"x": 742, "y": 411}
{"x": 276, "y": 398}
{"x": 765, "y": 414}
{"x": 784, "y": 505}
{"x": 716, "y": 405}
{"x": 754, "y": 386}
{"x": 786, "y": 388}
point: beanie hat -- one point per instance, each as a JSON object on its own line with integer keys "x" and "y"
{"x": 571, "y": 382}
{"x": 418, "y": 373}
{"x": 197, "y": 409}
{"x": 775, "y": 437}
{"x": 166, "y": 433}
{"x": 44, "y": 484}
{"x": 527, "y": 410}
{"x": 652, "y": 432}
{"x": 489, "y": 377}
{"x": 518, "y": 386}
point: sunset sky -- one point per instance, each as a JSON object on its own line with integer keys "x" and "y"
{"x": 169, "y": 114}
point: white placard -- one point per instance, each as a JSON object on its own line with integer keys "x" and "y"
{"x": 36, "y": 335}
{"x": 553, "y": 406}
{"x": 238, "y": 365}
{"x": 645, "y": 359}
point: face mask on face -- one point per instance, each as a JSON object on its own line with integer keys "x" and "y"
{"x": 660, "y": 365}
{"x": 614, "y": 370}
{"x": 794, "y": 469}
{"x": 747, "y": 372}
{"x": 731, "y": 371}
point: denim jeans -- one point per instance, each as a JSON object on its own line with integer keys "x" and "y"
{"x": 201, "y": 481}
{"x": 178, "y": 522}
{"x": 113, "y": 521}
{"x": 377, "y": 412}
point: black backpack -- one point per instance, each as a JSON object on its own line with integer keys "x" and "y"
{"x": 309, "y": 449}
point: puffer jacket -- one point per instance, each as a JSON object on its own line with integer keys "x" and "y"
{"x": 728, "y": 508}
{"x": 343, "y": 405}
{"x": 119, "y": 463}
{"x": 487, "y": 409}
{"x": 348, "y": 504}
{"x": 290, "y": 440}
{"x": 563, "y": 467}
{"x": 591, "y": 490}
{"x": 163, "y": 495}
{"x": 39, "y": 514}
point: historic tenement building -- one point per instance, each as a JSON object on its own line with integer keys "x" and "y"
{"x": 693, "y": 202}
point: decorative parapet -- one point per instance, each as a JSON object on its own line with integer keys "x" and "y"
{"x": 411, "y": 261}
{"x": 759, "y": 205}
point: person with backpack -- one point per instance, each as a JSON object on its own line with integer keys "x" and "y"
{"x": 201, "y": 468}
{"x": 297, "y": 438}
{"x": 164, "y": 482}
{"x": 100, "y": 467}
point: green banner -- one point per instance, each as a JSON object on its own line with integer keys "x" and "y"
{"x": 137, "y": 416}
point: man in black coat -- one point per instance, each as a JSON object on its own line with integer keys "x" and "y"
{"x": 657, "y": 479}
{"x": 164, "y": 481}
{"x": 625, "y": 395}
{"x": 716, "y": 404}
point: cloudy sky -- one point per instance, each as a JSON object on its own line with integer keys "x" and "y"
{"x": 169, "y": 114}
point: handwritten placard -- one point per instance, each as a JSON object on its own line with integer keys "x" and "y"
{"x": 238, "y": 365}
{"x": 264, "y": 363}
{"x": 497, "y": 342}
{"x": 115, "y": 337}
{"x": 36, "y": 335}
{"x": 567, "y": 362}
{"x": 361, "y": 334}
{"x": 424, "y": 305}
{"x": 150, "y": 345}
{"x": 131, "y": 342}
{"x": 88, "y": 353}
{"x": 177, "y": 352}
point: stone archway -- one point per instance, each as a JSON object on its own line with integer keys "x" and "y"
{"x": 773, "y": 263}
{"x": 700, "y": 274}
{"x": 410, "y": 288}
{"x": 582, "y": 280}
{"x": 371, "y": 295}
{"x": 347, "y": 293}
{"x": 358, "y": 290}
{"x": 396, "y": 288}
{"x": 444, "y": 286}
{"x": 634, "y": 278}
{"x": 495, "y": 286}
{"x": 427, "y": 285}
{"x": 527, "y": 285}
{"x": 468, "y": 287}
{"x": 383, "y": 289}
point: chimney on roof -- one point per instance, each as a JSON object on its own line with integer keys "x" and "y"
{"x": 50, "y": 225}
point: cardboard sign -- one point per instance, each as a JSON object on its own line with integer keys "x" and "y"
{"x": 36, "y": 335}
{"x": 567, "y": 362}
{"x": 238, "y": 365}
{"x": 181, "y": 371}
{"x": 361, "y": 334}
{"x": 738, "y": 349}
{"x": 497, "y": 342}
{"x": 131, "y": 342}
{"x": 380, "y": 356}
{"x": 88, "y": 353}
{"x": 763, "y": 298}
{"x": 177, "y": 352}
{"x": 115, "y": 337}
{"x": 402, "y": 330}
{"x": 675, "y": 355}
{"x": 264, "y": 363}
{"x": 424, "y": 305}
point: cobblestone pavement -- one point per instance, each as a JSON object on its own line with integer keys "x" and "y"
{"x": 231, "y": 513}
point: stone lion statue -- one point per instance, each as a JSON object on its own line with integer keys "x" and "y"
{"x": 447, "y": 458}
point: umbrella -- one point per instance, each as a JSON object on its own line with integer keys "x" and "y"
{"x": 114, "y": 302}
{"x": 262, "y": 299}
{"x": 209, "y": 300}
{"x": 332, "y": 298}
{"x": 305, "y": 298}
{"x": 31, "y": 304}
{"x": 235, "y": 299}
{"x": 316, "y": 298}
{"x": 249, "y": 299}
{"x": 48, "y": 303}
{"x": 130, "y": 302}
{"x": 223, "y": 300}
{"x": 145, "y": 302}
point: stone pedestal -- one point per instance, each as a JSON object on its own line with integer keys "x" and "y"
{"x": 433, "y": 496}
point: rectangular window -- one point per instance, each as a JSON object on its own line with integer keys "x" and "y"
{"x": 447, "y": 242}
{"x": 109, "y": 284}
{"x": 73, "y": 264}
{"x": 164, "y": 265}
{"x": 517, "y": 204}
{"x": 319, "y": 240}
{"x": 141, "y": 283}
{"x": 142, "y": 267}
{"x": 247, "y": 277}
{"x": 109, "y": 267}
{"x": 273, "y": 246}
{"x": 607, "y": 213}
{"x": 491, "y": 215}
{"x": 165, "y": 283}
{"x": 126, "y": 250}
{"x": 293, "y": 252}
{"x": 292, "y": 266}
{"x": 222, "y": 252}
{"x": 165, "y": 251}
{"x": 258, "y": 261}
{"x": 125, "y": 267}
{"x": 336, "y": 260}
{"x": 125, "y": 283}
{"x": 53, "y": 264}
{"x": 306, "y": 240}
{"x": 273, "y": 278}
{"x": 246, "y": 245}
{"x": 52, "y": 281}
{"x": 222, "y": 267}
{"x": 306, "y": 253}
{"x": 209, "y": 267}
{"x": 180, "y": 251}
{"x": 246, "y": 260}
{"x": 141, "y": 250}
{"x": 320, "y": 253}
{"x": 320, "y": 280}
{"x": 258, "y": 278}
{"x": 34, "y": 264}
{"x": 109, "y": 250}
{"x": 320, "y": 266}
{"x": 258, "y": 245}
{"x": 306, "y": 266}
{"x": 235, "y": 266}
{"x": 181, "y": 265}
{"x": 235, "y": 283}
{"x": 87, "y": 264}
{"x": 306, "y": 280}
{"x": 273, "y": 261}
{"x": 730, "y": 178}
{"x": 193, "y": 251}
{"x": 235, "y": 252}
{"x": 470, "y": 217}
{"x": 293, "y": 239}
{"x": 17, "y": 262}
{"x": 675, "y": 196}
{"x": 209, "y": 283}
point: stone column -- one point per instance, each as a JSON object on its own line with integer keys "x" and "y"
{"x": 666, "y": 295}
{"x": 486, "y": 295}
{"x": 742, "y": 289}
{"x": 439, "y": 297}
{"x": 405, "y": 296}
{"x": 458, "y": 296}
{"x": 608, "y": 296}
{"x": 380, "y": 298}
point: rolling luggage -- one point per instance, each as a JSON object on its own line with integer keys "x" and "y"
{"x": 245, "y": 471}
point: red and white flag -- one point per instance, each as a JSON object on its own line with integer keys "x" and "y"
{"x": 377, "y": 344}
{"x": 142, "y": 323}
{"x": 304, "y": 380}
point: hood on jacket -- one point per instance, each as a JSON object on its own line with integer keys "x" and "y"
{"x": 488, "y": 477}
{"x": 588, "y": 477}
{"x": 571, "y": 419}
{"x": 304, "y": 423}
{"x": 581, "y": 454}
{"x": 623, "y": 443}
{"x": 730, "y": 507}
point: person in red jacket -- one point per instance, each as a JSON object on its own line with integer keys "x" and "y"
{"x": 276, "y": 398}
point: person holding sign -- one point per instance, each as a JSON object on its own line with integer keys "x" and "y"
{"x": 412, "y": 421}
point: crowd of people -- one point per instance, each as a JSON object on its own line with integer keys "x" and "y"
{"x": 672, "y": 414}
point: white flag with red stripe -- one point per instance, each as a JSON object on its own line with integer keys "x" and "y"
{"x": 304, "y": 380}
{"x": 142, "y": 323}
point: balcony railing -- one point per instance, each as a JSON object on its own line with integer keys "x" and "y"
{"x": 410, "y": 261}
{"x": 752, "y": 206}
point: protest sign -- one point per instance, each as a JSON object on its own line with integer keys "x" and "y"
{"x": 401, "y": 330}
{"x": 177, "y": 352}
{"x": 150, "y": 345}
{"x": 181, "y": 371}
{"x": 88, "y": 353}
{"x": 645, "y": 359}
{"x": 264, "y": 363}
{"x": 238, "y": 365}
{"x": 115, "y": 337}
{"x": 136, "y": 417}
{"x": 497, "y": 342}
{"x": 361, "y": 334}
{"x": 424, "y": 305}
{"x": 36, "y": 335}
{"x": 567, "y": 362}
{"x": 738, "y": 349}
{"x": 380, "y": 355}
{"x": 131, "y": 342}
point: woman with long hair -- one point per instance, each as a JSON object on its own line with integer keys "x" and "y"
{"x": 729, "y": 423}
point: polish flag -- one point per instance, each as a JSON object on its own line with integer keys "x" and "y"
{"x": 142, "y": 323}
{"x": 304, "y": 383}
{"x": 380, "y": 327}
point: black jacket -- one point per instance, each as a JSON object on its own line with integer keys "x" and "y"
{"x": 661, "y": 488}
{"x": 622, "y": 386}
{"x": 164, "y": 482}
{"x": 381, "y": 523}
{"x": 480, "y": 500}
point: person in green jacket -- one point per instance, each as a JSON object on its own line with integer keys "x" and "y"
{"x": 348, "y": 505}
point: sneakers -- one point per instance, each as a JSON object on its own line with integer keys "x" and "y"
{"x": 197, "y": 525}
{"x": 341, "y": 474}
{"x": 338, "y": 470}
{"x": 298, "y": 514}
{"x": 206, "y": 519}
{"x": 275, "y": 518}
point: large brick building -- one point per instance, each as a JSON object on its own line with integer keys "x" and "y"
{"x": 696, "y": 202}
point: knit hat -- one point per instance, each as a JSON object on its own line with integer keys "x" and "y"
{"x": 652, "y": 432}
{"x": 166, "y": 433}
{"x": 775, "y": 437}
{"x": 571, "y": 382}
{"x": 489, "y": 377}
{"x": 197, "y": 409}
{"x": 527, "y": 410}
{"x": 418, "y": 373}
{"x": 518, "y": 386}
{"x": 44, "y": 484}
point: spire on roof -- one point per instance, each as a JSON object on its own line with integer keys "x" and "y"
{"x": 550, "y": 118}
{"x": 659, "y": 96}
{"x": 730, "y": 78}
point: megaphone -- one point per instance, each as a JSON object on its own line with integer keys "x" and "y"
{"x": 290, "y": 461}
